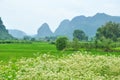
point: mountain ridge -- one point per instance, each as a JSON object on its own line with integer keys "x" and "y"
{"x": 88, "y": 24}
{"x": 66, "y": 28}
{"x": 44, "y": 31}
{"x": 4, "y": 32}
{"x": 17, "y": 33}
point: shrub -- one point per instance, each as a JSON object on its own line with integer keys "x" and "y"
{"x": 104, "y": 44}
{"x": 61, "y": 43}
{"x": 75, "y": 44}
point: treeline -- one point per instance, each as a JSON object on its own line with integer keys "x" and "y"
{"x": 14, "y": 41}
{"x": 106, "y": 38}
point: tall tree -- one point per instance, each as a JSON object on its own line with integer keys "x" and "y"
{"x": 80, "y": 35}
{"x": 110, "y": 30}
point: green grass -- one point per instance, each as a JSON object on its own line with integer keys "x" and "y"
{"x": 19, "y": 50}
{"x": 41, "y": 61}
{"x": 101, "y": 52}
{"x": 8, "y": 51}
{"x": 118, "y": 48}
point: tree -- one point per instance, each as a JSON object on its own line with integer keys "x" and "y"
{"x": 80, "y": 35}
{"x": 110, "y": 30}
{"x": 26, "y": 38}
{"x": 32, "y": 39}
{"x": 61, "y": 43}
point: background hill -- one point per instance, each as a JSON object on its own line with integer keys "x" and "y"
{"x": 44, "y": 31}
{"x": 88, "y": 24}
{"x": 4, "y": 35}
{"x": 17, "y": 33}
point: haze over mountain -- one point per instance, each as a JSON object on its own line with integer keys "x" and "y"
{"x": 66, "y": 28}
{"x": 44, "y": 31}
{"x": 88, "y": 24}
{"x": 28, "y": 15}
{"x": 4, "y": 35}
{"x": 63, "y": 28}
{"x": 17, "y": 33}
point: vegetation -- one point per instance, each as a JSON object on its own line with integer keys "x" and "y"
{"x": 106, "y": 35}
{"x": 77, "y": 66}
{"x": 3, "y": 32}
{"x": 110, "y": 30}
{"x": 80, "y": 35}
{"x": 27, "y": 49}
{"x": 21, "y": 49}
{"x": 61, "y": 43}
{"x": 104, "y": 43}
{"x": 31, "y": 59}
{"x": 75, "y": 44}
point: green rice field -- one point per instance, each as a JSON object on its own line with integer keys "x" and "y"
{"x": 19, "y": 50}
{"x": 28, "y": 50}
{"x": 41, "y": 61}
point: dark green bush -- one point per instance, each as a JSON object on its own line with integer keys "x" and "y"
{"x": 61, "y": 43}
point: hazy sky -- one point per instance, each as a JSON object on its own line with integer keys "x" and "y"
{"x": 29, "y": 15}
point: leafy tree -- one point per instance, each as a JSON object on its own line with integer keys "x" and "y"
{"x": 26, "y": 38}
{"x": 32, "y": 39}
{"x": 51, "y": 38}
{"x": 110, "y": 30}
{"x": 80, "y": 35}
{"x": 61, "y": 43}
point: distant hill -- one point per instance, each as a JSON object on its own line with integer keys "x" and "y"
{"x": 88, "y": 24}
{"x": 44, "y": 31}
{"x": 66, "y": 28}
{"x": 17, "y": 33}
{"x": 4, "y": 35}
{"x": 63, "y": 28}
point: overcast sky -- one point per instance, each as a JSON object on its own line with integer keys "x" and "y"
{"x": 29, "y": 15}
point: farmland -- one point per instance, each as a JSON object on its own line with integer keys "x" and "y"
{"x": 28, "y": 50}
{"x": 76, "y": 66}
{"x": 41, "y": 61}
{"x": 19, "y": 50}
{"x": 59, "y": 40}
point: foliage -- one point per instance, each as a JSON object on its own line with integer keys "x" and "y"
{"x": 104, "y": 44}
{"x": 77, "y": 66}
{"x": 80, "y": 35}
{"x": 61, "y": 43}
{"x": 14, "y": 42}
{"x": 19, "y": 49}
{"x": 75, "y": 44}
{"x": 33, "y": 39}
{"x": 27, "y": 38}
{"x": 49, "y": 39}
{"x": 110, "y": 30}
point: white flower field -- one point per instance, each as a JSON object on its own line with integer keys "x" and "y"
{"x": 76, "y": 66}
